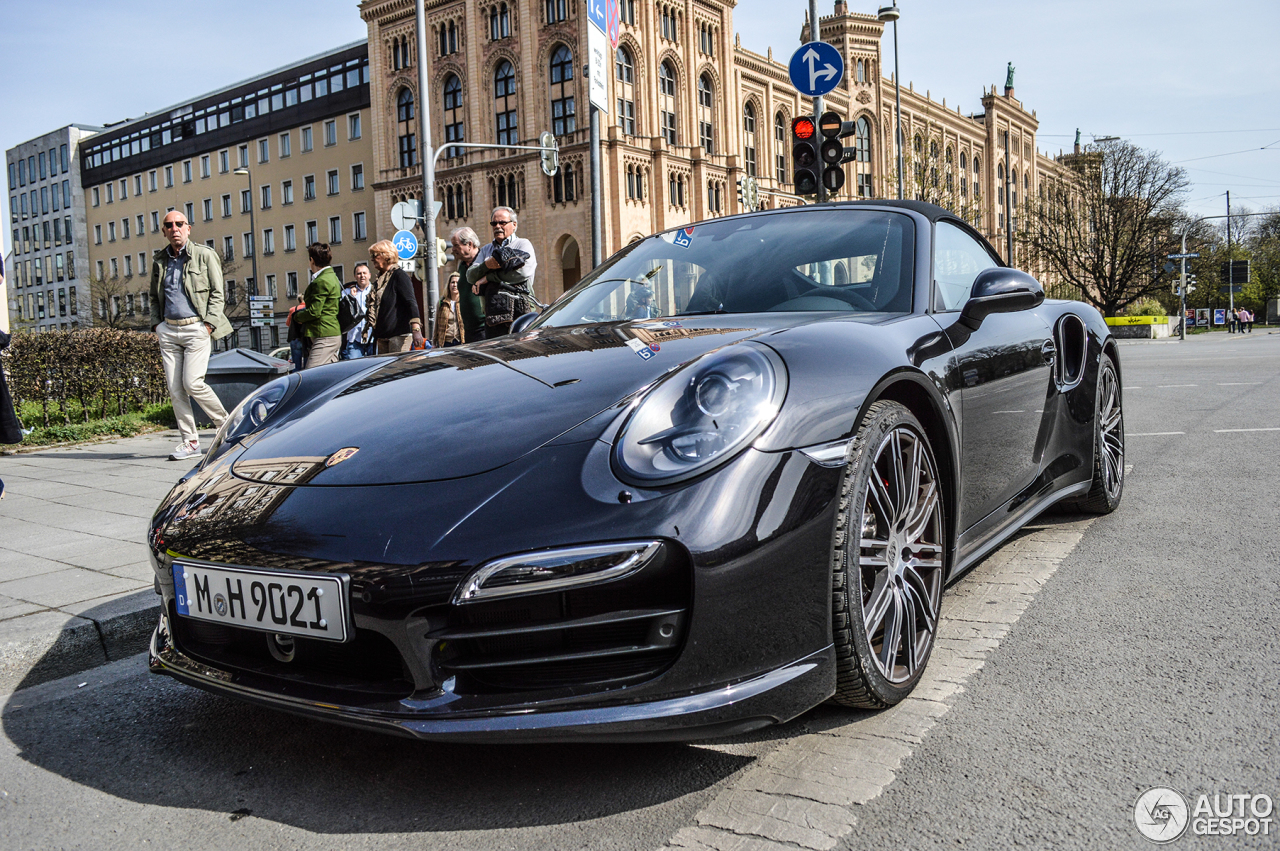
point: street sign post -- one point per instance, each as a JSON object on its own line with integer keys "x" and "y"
{"x": 1190, "y": 255}
{"x": 265, "y": 322}
{"x": 405, "y": 215}
{"x": 816, "y": 68}
{"x": 406, "y": 244}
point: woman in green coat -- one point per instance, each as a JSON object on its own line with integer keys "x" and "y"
{"x": 318, "y": 321}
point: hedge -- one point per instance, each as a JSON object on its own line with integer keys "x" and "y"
{"x": 100, "y": 371}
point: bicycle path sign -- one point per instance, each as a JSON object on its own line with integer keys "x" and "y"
{"x": 406, "y": 244}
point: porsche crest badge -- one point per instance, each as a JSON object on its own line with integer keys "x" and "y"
{"x": 341, "y": 455}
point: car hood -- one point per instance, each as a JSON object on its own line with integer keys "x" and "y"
{"x": 450, "y": 413}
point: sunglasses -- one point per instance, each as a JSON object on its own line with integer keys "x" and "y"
{"x": 495, "y": 224}
{"x": 174, "y": 225}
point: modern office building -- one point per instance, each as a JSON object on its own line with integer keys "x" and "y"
{"x": 691, "y": 110}
{"x": 48, "y": 271}
{"x": 261, "y": 169}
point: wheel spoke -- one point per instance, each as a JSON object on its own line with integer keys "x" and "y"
{"x": 919, "y": 588}
{"x": 909, "y": 630}
{"x": 878, "y": 604}
{"x": 883, "y": 501}
{"x": 892, "y": 637}
{"x": 923, "y": 514}
{"x": 899, "y": 477}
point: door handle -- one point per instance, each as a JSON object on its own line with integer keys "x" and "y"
{"x": 1049, "y": 351}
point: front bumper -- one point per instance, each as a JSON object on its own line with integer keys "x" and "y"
{"x": 770, "y": 698}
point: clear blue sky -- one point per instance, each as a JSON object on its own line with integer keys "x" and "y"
{"x": 1176, "y": 76}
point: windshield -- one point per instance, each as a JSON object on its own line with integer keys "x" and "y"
{"x": 851, "y": 260}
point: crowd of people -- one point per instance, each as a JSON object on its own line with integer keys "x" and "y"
{"x": 1240, "y": 320}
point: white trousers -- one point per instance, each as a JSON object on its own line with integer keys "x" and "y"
{"x": 185, "y": 353}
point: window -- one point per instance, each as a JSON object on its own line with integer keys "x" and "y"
{"x": 111, "y": 231}
{"x": 780, "y": 146}
{"x": 357, "y": 177}
{"x": 124, "y": 228}
{"x": 291, "y": 285}
{"x": 224, "y": 162}
{"x": 62, "y": 155}
{"x": 408, "y": 138}
{"x": 66, "y": 193}
{"x": 289, "y": 243}
{"x": 635, "y": 183}
{"x": 115, "y": 270}
{"x": 453, "y": 128}
{"x": 505, "y": 192}
{"x": 335, "y": 230}
{"x": 168, "y": 180}
{"x": 562, "y": 185}
{"x": 706, "y": 132}
{"x": 860, "y": 74}
{"x": 155, "y": 220}
{"x": 268, "y": 241}
{"x": 667, "y": 22}
{"x": 563, "y": 116}
{"x": 353, "y": 126}
{"x": 675, "y": 190}
{"x": 186, "y": 175}
{"x": 128, "y": 266}
{"x": 309, "y": 188}
{"x": 330, "y": 133}
{"x": 313, "y": 235}
{"x": 226, "y": 206}
{"x": 499, "y": 22}
{"x": 97, "y": 234}
{"x": 111, "y": 195}
{"x": 137, "y": 185}
{"x": 243, "y": 152}
{"x": 283, "y": 145}
{"x": 231, "y": 292}
{"x": 667, "y": 102}
{"x": 706, "y": 38}
{"x": 271, "y": 286}
{"x": 228, "y": 248}
{"x": 358, "y": 230}
{"x": 504, "y": 93}
{"x": 247, "y": 240}
{"x": 957, "y": 260}
{"x": 332, "y": 181}
{"x": 286, "y": 192}
{"x": 556, "y": 11}
{"x": 306, "y": 139}
{"x": 862, "y": 157}
{"x": 101, "y": 276}
{"x": 246, "y": 200}
{"x": 749, "y": 138}
{"x": 625, "y": 72}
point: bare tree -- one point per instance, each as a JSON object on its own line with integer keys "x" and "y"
{"x": 1106, "y": 230}
{"x": 117, "y": 303}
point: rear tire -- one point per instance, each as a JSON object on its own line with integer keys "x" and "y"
{"x": 888, "y": 560}
{"x": 1108, "y": 445}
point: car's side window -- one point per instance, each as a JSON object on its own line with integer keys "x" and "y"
{"x": 957, "y": 260}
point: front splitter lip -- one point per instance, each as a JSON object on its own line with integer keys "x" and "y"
{"x": 774, "y": 697}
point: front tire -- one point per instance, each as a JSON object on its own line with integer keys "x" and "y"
{"x": 888, "y": 560}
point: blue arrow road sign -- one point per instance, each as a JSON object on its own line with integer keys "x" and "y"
{"x": 816, "y": 68}
{"x": 598, "y": 15}
{"x": 406, "y": 244}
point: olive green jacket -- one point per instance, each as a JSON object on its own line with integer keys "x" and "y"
{"x": 320, "y": 316}
{"x": 202, "y": 282}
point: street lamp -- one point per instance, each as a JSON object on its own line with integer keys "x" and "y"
{"x": 253, "y": 241}
{"x": 885, "y": 15}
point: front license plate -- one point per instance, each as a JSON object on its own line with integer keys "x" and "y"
{"x": 289, "y": 603}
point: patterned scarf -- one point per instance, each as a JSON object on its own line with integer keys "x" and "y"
{"x": 373, "y": 302}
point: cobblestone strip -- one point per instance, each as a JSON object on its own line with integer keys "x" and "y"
{"x": 804, "y": 795}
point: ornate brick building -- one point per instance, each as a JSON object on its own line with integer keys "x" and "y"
{"x": 691, "y": 111}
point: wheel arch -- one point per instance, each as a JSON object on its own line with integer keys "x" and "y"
{"x": 918, "y": 394}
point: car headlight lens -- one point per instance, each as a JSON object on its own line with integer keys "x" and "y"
{"x": 251, "y": 414}
{"x": 701, "y": 415}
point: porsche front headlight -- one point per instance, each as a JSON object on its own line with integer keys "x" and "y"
{"x": 701, "y": 415}
{"x": 251, "y": 414}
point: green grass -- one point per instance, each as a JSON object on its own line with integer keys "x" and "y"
{"x": 152, "y": 418}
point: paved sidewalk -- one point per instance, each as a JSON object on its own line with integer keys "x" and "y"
{"x": 76, "y": 586}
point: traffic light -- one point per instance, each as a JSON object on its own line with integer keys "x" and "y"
{"x": 834, "y": 154}
{"x": 804, "y": 154}
{"x": 748, "y": 193}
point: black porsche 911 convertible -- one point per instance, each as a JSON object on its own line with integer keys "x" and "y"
{"x": 722, "y": 480}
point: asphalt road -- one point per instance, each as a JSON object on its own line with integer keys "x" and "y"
{"x": 1148, "y": 658}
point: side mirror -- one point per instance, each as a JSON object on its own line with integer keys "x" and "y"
{"x": 523, "y": 322}
{"x": 1000, "y": 290}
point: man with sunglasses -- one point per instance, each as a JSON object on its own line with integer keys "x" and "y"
{"x": 187, "y": 315}
{"x": 507, "y": 264}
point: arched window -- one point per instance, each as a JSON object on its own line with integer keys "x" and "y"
{"x": 667, "y": 102}
{"x": 563, "y": 117}
{"x": 933, "y": 150}
{"x": 443, "y": 32}
{"x": 780, "y": 146}
{"x": 1013, "y": 189}
{"x": 749, "y": 138}
{"x": 499, "y": 22}
{"x": 504, "y": 95}
{"x": 977, "y": 177}
{"x": 706, "y": 123}
{"x": 395, "y": 54}
{"x": 862, "y": 71}
{"x": 625, "y": 71}
{"x": 408, "y": 136}
{"x": 562, "y": 185}
{"x": 453, "y": 45}
{"x": 453, "y": 115}
{"x": 862, "y": 158}
{"x": 950, "y": 159}
{"x": 557, "y": 11}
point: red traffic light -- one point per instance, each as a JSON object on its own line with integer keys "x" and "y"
{"x": 803, "y": 128}
{"x": 831, "y": 124}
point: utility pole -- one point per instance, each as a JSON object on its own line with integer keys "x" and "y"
{"x": 815, "y": 34}
{"x": 1008, "y": 204}
{"x": 597, "y": 229}
{"x": 1231, "y": 269}
{"x": 428, "y": 173}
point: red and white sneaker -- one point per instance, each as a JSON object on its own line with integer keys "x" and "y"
{"x": 184, "y": 450}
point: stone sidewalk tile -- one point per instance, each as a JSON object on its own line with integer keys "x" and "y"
{"x": 16, "y": 565}
{"x": 11, "y": 608}
{"x": 110, "y": 554}
{"x": 714, "y": 839}
{"x": 809, "y": 824}
{"x": 138, "y": 572}
{"x": 116, "y": 503}
{"x": 73, "y": 585}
